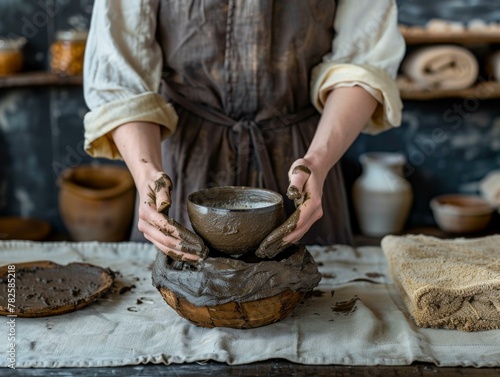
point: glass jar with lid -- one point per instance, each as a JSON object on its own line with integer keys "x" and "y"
{"x": 67, "y": 52}
{"x": 11, "y": 55}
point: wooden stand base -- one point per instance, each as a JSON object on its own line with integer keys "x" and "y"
{"x": 239, "y": 315}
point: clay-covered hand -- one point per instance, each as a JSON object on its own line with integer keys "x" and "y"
{"x": 306, "y": 190}
{"x": 164, "y": 232}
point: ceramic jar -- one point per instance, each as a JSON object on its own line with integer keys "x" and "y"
{"x": 67, "y": 53}
{"x": 97, "y": 203}
{"x": 11, "y": 55}
{"x": 382, "y": 197}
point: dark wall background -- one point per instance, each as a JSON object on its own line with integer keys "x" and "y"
{"x": 41, "y": 128}
{"x": 418, "y": 12}
{"x": 450, "y": 144}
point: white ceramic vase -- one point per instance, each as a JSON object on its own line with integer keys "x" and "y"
{"x": 382, "y": 197}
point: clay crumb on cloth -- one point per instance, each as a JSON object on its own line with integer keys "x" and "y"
{"x": 374, "y": 275}
{"x": 345, "y": 307}
{"x": 144, "y": 300}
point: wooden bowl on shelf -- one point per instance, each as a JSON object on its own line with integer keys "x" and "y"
{"x": 24, "y": 228}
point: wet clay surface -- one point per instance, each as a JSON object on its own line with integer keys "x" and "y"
{"x": 49, "y": 288}
{"x": 218, "y": 280}
{"x": 162, "y": 183}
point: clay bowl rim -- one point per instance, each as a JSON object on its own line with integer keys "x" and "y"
{"x": 447, "y": 204}
{"x": 124, "y": 183}
{"x": 268, "y": 208}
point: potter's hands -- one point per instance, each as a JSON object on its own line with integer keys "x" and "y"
{"x": 306, "y": 190}
{"x": 164, "y": 232}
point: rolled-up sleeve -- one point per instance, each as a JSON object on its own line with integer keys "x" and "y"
{"x": 366, "y": 51}
{"x": 122, "y": 73}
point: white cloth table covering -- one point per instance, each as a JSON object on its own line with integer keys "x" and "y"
{"x": 137, "y": 326}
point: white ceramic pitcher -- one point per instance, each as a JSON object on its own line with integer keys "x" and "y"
{"x": 382, "y": 197}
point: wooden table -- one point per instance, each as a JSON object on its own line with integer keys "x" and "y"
{"x": 269, "y": 368}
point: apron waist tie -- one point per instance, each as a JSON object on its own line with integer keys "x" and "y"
{"x": 249, "y": 131}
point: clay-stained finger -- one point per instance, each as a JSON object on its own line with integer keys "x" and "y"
{"x": 293, "y": 193}
{"x": 191, "y": 242}
{"x": 188, "y": 242}
{"x": 174, "y": 254}
{"x": 158, "y": 235}
{"x": 273, "y": 244}
{"x": 298, "y": 178}
{"x": 298, "y": 198}
{"x": 301, "y": 168}
{"x": 162, "y": 193}
{"x": 161, "y": 202}
{"x": 177, "y": 237}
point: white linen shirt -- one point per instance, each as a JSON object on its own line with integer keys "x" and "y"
{"x": 366, "y": 51}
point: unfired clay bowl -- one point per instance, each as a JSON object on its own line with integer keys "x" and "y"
{"x": 234, "y": 219}
{"x": 458, "y": 213}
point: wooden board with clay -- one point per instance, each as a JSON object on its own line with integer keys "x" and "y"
{"x": 45, "y": 288}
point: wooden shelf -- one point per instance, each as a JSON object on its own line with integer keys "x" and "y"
{"x": 419, "y": 35}
{"x": 481, "y": 91}
{"x": 38, "y": 79}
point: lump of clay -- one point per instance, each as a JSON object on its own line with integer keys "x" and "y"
{"x": 218, "y": 280}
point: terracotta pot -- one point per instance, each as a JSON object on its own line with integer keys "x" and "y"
{"x": 382, "y": 198}
{"x": 97, "y": 202}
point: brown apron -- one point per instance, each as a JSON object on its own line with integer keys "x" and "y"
{"x": 238, "y": 73}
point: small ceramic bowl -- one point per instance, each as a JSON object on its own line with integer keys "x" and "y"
{"x": 234, "y": 219}
{"x": 458, "y": 213}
